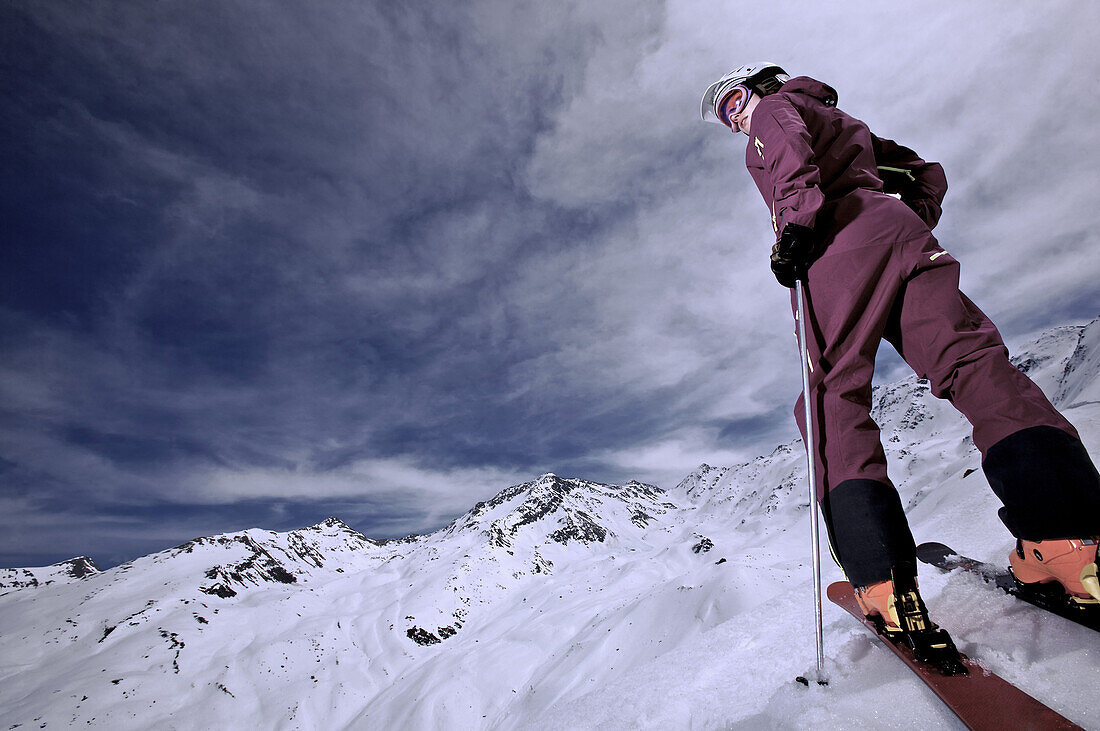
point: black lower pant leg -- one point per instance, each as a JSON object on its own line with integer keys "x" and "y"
{"x": 868, "y": 531}
{"x": 1048, "y": 484}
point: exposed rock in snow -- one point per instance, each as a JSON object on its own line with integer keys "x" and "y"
{"x": 63, "y": 571}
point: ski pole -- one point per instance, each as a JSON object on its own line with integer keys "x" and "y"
{"x": 816, "y": 548}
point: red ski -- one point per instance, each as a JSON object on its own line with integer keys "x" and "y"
{"x": 982, "y": 700}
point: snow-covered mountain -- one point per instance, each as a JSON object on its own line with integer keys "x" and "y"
{"x": 559, "y": 603}
{"x": 63, "y": 571}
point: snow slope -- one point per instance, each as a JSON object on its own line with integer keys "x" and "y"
{"x": 560, "y": 603}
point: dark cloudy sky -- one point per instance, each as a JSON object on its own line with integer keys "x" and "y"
{"x": 265, "y": 262}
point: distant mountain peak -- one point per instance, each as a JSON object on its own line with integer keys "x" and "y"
{"x": 571, "y": 510}
{"x": 80, "y": 566}
{"x": 64, "y": 572}
{"x": 700, "y": 480}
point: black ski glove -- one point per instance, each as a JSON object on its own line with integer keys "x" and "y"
{"x": 792, "y": 254}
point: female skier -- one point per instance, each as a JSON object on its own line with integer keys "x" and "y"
{"x": 872, "y": 270}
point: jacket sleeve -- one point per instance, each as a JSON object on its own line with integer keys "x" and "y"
{"x": 922, "y": 185}
{"x": 782, "y": 141}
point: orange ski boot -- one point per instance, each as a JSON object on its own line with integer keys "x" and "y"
{"x": 896, "y": 608}
{"x": 1072, "y": 562}
{"x": 878, "y": 600}
{"x": 881, "y": 600}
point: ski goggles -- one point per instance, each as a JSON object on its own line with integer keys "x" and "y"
{"x": 731, "y": 101}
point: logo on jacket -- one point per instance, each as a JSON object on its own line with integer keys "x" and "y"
{"x": 759, "y": 147}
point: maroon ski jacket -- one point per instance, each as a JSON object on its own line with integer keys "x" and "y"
{"x": 819, "y": 167}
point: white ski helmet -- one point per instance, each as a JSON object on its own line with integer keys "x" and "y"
{"x": 762, "y": 78}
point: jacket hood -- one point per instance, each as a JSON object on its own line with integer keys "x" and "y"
{"x": 811, "y": 87}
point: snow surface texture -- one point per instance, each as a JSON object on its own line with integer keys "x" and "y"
{"x": 560, "y": 603}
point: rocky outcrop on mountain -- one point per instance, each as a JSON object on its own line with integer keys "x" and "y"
{"x": 234, "y": 560}
{"x": 72, "y": 569}
{"x": 273, "y": 557}
{"x": 559, "y": 510}
{"x": 701, "y": 479}
{"x": 259, "y": 567}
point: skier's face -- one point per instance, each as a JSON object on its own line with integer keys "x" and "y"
{"x": 732, "y": 106}
{"x": 739, "y": 119}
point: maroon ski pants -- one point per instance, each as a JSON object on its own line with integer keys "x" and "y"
{"x": 906, "y": 291}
